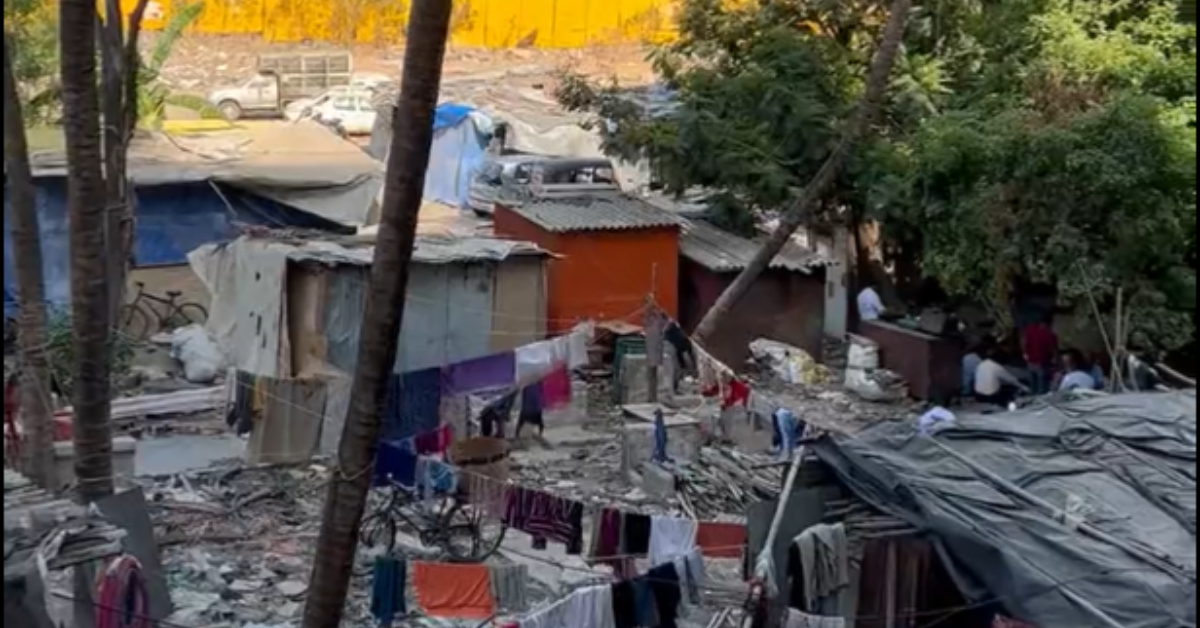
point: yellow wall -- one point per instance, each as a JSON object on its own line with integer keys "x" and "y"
{"x": 483, "y": 23}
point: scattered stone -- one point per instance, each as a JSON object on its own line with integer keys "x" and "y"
{"x": 291, "y": 588}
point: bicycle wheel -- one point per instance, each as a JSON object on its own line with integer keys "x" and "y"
{"x": 134, "y": 322}
{"x": 470, "y": 535}
{"x": 188, "y": 314}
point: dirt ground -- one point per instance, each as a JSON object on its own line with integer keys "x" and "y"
{"x": 203, "y": 62}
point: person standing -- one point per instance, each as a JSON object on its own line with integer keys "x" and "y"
{"x": 995, "y": 384}
{"x": 1040, "y": 346}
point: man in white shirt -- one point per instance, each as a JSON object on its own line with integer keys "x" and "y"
{"x": 994, "y": 383}
{"x": 870, "y": 305}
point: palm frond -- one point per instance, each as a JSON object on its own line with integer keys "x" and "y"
{"x": 182, "y": 16}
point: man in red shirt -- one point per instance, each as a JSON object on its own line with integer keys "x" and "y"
{"x": 1040, "y": 345}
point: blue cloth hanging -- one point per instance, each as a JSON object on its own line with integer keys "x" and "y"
{"x": 660, "y": 438}
{"x": 387, "y": 589}
{"x": 413, "y": 405}
{"x": 396, "y": 463}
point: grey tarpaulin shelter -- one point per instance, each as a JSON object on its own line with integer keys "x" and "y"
{"x": 1119, "y": 473}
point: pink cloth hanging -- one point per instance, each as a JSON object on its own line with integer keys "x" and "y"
{"x": 556, "y": 388}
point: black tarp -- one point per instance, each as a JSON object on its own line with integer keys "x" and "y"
{"x": 1124, "y": 464}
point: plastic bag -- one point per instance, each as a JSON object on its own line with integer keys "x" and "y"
{"x": 202, "y": 360}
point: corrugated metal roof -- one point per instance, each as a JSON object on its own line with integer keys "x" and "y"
{"x": 721, "y": 251}
{"x": 594, "y": 212}
{"x": 428, "y": 250}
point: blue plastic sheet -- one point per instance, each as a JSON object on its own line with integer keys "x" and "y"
{"x": 172, "y": 220}
{"x": 455, "y": 156}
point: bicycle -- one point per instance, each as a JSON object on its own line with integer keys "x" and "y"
{"x": 135, "y": 317}
{"x": 445, "y": 523}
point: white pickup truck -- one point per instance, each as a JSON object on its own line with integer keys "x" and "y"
{"x": 283, "y": 79}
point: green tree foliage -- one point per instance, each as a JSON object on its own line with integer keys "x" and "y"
{"x": 1024, "y": 140}
{"x": 34, "y": 30}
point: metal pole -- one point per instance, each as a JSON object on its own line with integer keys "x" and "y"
{"x": 764, "y": 566}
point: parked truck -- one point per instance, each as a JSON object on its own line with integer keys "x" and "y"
{"x": 283, "y": 78}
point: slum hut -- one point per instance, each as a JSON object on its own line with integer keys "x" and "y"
{"x": 1073, "y": 513}
{"x": 786, "y": 303}
{"x": 614, "y": 250}
{"x": 195, "y": 189}
{"x": 293, "y": 309}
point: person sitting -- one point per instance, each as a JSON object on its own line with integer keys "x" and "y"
{"x": 870, "y": 304}
{"x": 970, "y": 365}
{"x": 995, "y": 384}
{"x": 1075, "y": 374}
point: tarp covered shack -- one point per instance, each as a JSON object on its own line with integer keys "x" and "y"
{"x": 1064, "y": 515}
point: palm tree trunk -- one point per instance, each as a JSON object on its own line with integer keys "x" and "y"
{"x": 119, "y": 56}
{"x": 36, "y": 408}
{"x": 89, "y": 283}
{"x": 428, "y": 28}
{"x": 801, "y": 211}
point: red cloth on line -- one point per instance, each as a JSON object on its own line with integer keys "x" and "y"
{"x": 721, "y": 540}
{"x": 456, "y": 591}
{"x": 556, "y": 388}
{"x": 435, "y": 442}
{"x": 738, "y": 392}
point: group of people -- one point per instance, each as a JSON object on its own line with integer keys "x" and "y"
{"x": 1049, "y": 368}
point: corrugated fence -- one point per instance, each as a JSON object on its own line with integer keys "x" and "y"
{"x": 484, "y": 23}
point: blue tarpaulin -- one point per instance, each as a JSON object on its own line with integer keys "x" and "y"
{"x": 457, "y": 152}
{"x": 171, "y": 221}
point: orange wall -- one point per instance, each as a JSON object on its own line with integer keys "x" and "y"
{"x": 602, "y": 275}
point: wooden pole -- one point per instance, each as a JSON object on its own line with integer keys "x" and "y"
{"x": 654, "y": 347}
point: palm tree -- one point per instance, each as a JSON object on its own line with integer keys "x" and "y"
{"x": 37, "y": 48}
{"x": 803, "y": 208}
{"x": 429, "y": 26}
{"x": 37, "y": 411}
{"x": 89, "y": 287}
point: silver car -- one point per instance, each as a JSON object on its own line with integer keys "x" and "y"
{"x": 510, "y": 179}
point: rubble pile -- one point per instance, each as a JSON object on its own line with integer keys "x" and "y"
{"x": 726, "y": 481}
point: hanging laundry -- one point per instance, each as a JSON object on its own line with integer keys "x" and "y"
{"x": 388, "y": 585}
{"x": 693, "y": 576}
{"x": 665, "y": 587}
{"x": 486, "y": 373}
{"x": 797, "y": 619}
{"x": 546, "y": 518}
{"x": 606, "y": 536}
{"x": 824, "y": 562}
{"x": 435, "y": 477}
{"x": 531, "y": 409}
{"x": 454, "y": 591}
{"x": 434, "y": 442}
{"x": 510, "y": 587}
{"x": 659, "y": 455}
{"x": 591, "y": 608}
{"x": 721, "y": 540}
{"x": 413, "y": 404}
{"x": 396, "y": 463}
{"x": 536, "y": 360}
{"x": 635, "y": 534}
{"x": 736, "y": 393}
{"x": 556, "y": 388}
{"x": 625, "y": 611}
{"x": 670, "y": 538}
{"x": 644, "y": 603}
